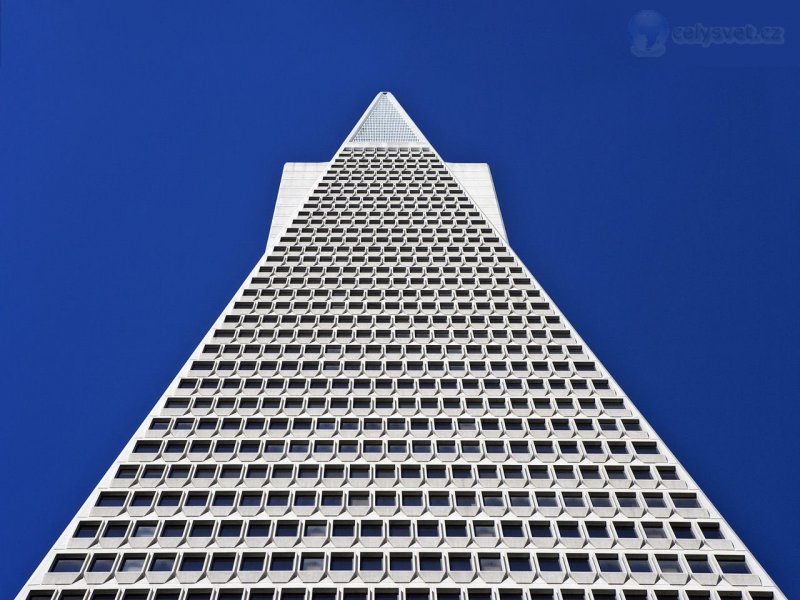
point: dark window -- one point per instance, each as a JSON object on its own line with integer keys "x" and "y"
{"x": 162, "y": 564}
{"x": 430, "y": 563}
{"x": 579, "y": 564}
{"x": 67, "y": 564}
{"x": 230, "y": 530}
{"x": 400, "y": 562}
{"x": 711, "y": 531}
{"x": 86, "y": 530}
{"x": 343, "y": 529}
{"x": 341, "y": 562}
{"x": 548, "y": 563}
{"x": 460, "y": 562}
{"x": 639, "y": 564}
{"x": 733, "y": 565}
{"x": 201, "y": 529}
{"x": 399, "y": 529}
{"x": 540, "y": 529}
{"x": 371, "y": 562}
{"x": 258, "y": 529}
{"x": 286, "y": 530}
{"x": 699, "y": 564}
{"x": 312, "y": 562}
{"x": 252, "y": 563}
{"x": 282, "y": 562}
{"x": 609, "y": 564}
{"x": 192, "y": 562}
{"x": 101, "y": 564}
{"x": 106, "y": 500}
{"x": 519, "y": 563}
{"x": 173, "y": 529}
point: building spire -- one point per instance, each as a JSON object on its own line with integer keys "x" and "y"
{"x": 386, "y": 123}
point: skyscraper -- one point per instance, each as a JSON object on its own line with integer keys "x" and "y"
{"x": 391, "y": 408}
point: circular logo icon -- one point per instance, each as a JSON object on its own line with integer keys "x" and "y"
{"x": 649, "y": 32}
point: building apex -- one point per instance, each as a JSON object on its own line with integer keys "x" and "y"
{"x": 386, "y": 122}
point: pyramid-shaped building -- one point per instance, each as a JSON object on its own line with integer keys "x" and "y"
{"x": 391, "y": 408}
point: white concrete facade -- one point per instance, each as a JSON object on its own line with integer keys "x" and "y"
{"x": 392, "y": 408}
{"x": 298, "y": 180}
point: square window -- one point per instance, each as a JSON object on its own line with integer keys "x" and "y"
{"x": 131, "y": 563}
{"x": 169, "y": 499}
{"x": 162, "y": 563}
{"x": 192, "y": 562}
{"x": 201, "y": 529}
{"x": 286, "y": 529}
{"x": 428, "y": 529}
{"x": 251, "y": 499}
{"x": 399, "y": 529}
{"x": 400, "y": 562}
{"x": 430, "y": 562}
{"x": 654, "y": 531}
{"x": 110, "y": 500}
{"x": 626, "y": 530}
{"x": 519, "y": 562}
{"x": 579, "y": 564}
{"x": 639, "y": 564}
{"x": 669, "y": 564}
{"x": 682, "y": 531}
{"x": 435, "y": 499}
{"x": 101, "y": 564}
{"x": 711, "y": 531}
{"x": 371, "y": 529}
{"x": 699, "y": 564}
{"x": 312, "y": 562}
{"x": 569, "y": 530}
{"x": 540, "y": 529}
{"x": 252, "y": 562}
{"x": 549, "y": 563}
{"x": 733, "y": 565}
{"x": 597, "y": 530}
{"x": 460, "y": 562}
{"x": 341, "y": 562}
{"x": 331, "y": 499}
{"x": 685, "y": 501}
{"x": 67, "y": 564}
{"x": 609, "y": 564}
{"x": 343, "y": 529}
{"x": 282, "y": 562}
{"x": 227, "y": 529}
{"x": 315, "y": 529}
{"x": 173, "y": 529}
{"x": 86, "y": 530}
{"x": 371, "y": 562}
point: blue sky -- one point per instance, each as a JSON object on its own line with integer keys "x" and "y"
{"x": 656, "y": 199}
